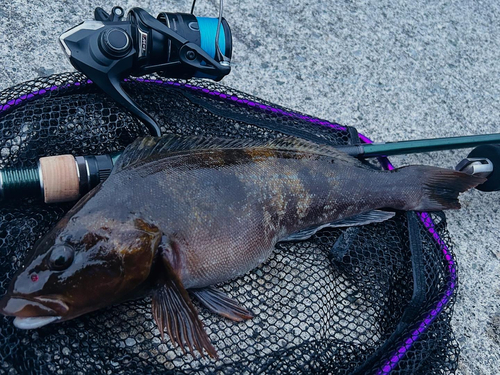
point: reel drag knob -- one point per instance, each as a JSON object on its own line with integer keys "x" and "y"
{"x": 492, "y": 153}
{"x": 115, "y": 42}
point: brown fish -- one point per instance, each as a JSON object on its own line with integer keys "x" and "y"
{"x": 179, "y": 215}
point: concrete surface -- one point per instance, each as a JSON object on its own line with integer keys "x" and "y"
{"x": 393, "y": 69}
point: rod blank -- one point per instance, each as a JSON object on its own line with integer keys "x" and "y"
{"x": 372, "y": 150}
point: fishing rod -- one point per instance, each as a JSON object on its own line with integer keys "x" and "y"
{"x": 66, "y": 178}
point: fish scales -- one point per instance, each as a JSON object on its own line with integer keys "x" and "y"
{"x": 220, "y": 202}
{"x": 183, "y": 214}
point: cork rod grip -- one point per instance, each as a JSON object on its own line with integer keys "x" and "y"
{"x": 60, "y": 178}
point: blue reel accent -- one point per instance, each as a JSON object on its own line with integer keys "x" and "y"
{"x": 208, "y": 31}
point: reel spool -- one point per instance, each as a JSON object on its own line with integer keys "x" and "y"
{"x": 175, "y": 45}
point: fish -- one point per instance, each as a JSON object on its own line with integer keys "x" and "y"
{"x": 179, "y": 215}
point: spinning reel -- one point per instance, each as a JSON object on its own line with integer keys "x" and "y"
{"x": 109, "y": 49}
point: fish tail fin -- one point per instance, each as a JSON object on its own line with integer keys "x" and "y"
{"x": 439, "y": 187}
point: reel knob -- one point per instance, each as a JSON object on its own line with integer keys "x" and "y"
{"x": 492, "y": 153}
{"x": 115, "y": 42}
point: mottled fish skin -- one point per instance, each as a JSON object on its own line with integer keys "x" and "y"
{"x": 223, "y": 211}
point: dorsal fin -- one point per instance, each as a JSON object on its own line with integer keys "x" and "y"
{"x": 172, "y": 144}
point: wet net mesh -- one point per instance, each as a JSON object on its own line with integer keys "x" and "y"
{"x": 372, "y": 299}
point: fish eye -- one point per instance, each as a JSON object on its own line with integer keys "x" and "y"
{"x": 61, "y": 257}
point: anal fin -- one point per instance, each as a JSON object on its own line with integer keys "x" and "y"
{"x": 173, "y": 310}
{"x": 219, "y": 303}
{"x": 375, "y": 216}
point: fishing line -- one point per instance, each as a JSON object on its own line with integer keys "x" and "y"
{"x": 220, "y": 55}
{"x": 222, "y": 58}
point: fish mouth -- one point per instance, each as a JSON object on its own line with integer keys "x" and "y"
{"x": 34, "y": 321}
{"x": 33, "y": 312}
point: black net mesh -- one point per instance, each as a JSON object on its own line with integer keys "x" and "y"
{"x": 346, "y": 301}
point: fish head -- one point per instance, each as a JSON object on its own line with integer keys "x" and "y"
{"x": 85, "y": 263}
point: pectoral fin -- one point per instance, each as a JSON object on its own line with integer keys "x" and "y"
{"x": 173, "y": 310}
{"x": 218, "y": 302}
{"x": 375, "y": 216}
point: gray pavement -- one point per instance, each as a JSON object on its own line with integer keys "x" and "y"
{"x": 393, "y": 69}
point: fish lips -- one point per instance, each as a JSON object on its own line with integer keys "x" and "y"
{"x": 33, "y": 312}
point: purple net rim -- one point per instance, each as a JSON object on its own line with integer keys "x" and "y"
{"x": 426, "y": 219}
{"x": 390, "y": 364}
{"x": 231, "y": 98}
